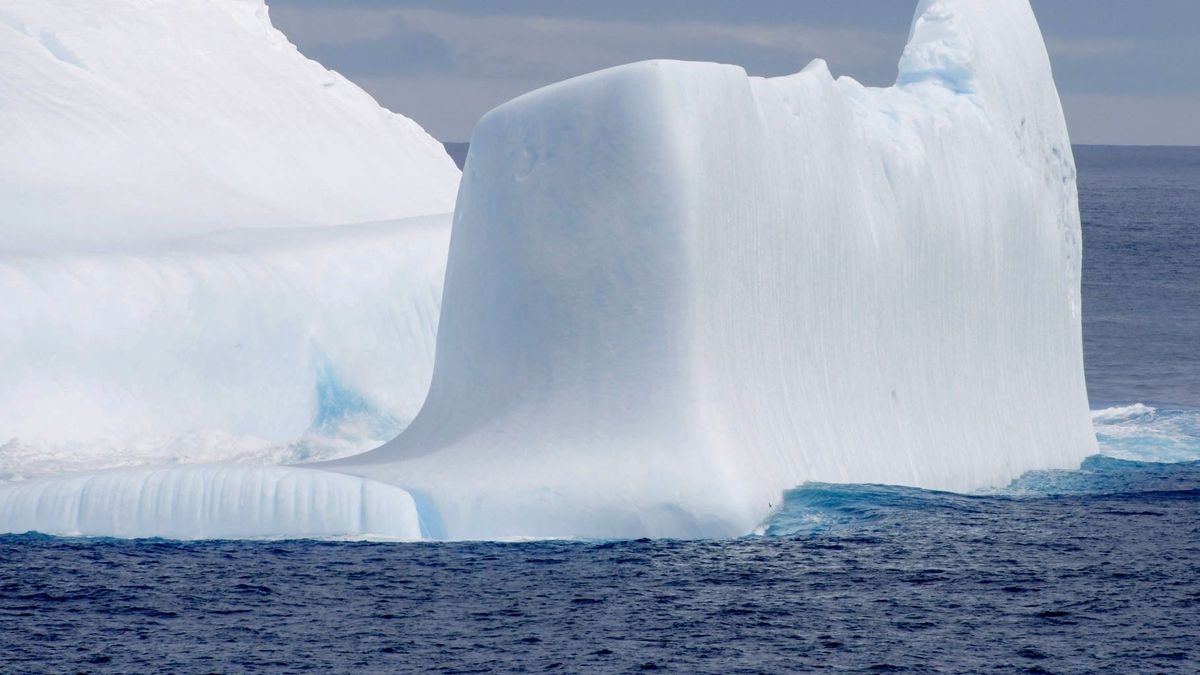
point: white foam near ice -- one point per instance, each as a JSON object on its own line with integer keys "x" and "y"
{"x": 1143, "y": 433}
{"x": 674, "y": 291}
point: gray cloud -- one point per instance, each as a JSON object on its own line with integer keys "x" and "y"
{"x": 762, "y": 12}
{"x": 402, "y": 50}
{"x": 446, "y": 62}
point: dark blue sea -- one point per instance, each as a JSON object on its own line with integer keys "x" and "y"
{"x": 1094, "y": 570}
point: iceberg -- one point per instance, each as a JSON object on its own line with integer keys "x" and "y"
{"x": 675, "y": 291}
{"x": 184, "y": 272}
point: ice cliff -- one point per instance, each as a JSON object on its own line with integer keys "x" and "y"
{"x": 674, "y": 291}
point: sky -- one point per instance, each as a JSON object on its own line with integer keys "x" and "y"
{"x": 1128, "y": 71}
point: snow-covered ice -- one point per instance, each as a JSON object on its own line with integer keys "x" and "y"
{"x": 125, "y": 120}
{"x": 182, "y": 272}
{"x": 674, "y": 291}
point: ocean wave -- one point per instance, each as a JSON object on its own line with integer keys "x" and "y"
{"x": 857, "y": 510}
{"x": 1146, "y": 454}
{"x": 1143, "y": 433}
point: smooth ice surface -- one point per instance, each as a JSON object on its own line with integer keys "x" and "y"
{"x": 248, "y": 346}
{"x": 210, "y": 502}
{"x": 675, "y": 291}
{"x": 123, "y": 120}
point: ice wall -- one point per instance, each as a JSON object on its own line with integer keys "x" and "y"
{"x": 124, "y": 120}
{"x": 675, "y": 290}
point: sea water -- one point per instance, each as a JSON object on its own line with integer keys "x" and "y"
{"x": 1091, "y": 570}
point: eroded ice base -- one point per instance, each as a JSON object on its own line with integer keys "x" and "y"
{"x": 211, "y": 502}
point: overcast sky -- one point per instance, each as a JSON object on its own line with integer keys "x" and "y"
{"x": 1128, "y": 70}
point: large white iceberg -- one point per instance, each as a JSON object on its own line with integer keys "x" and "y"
{"x": 674, "y": 291}
{"x": 178, "y": 279}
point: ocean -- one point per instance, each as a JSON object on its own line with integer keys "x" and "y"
{"x": 1093, "y": 570}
